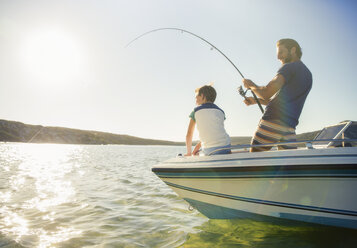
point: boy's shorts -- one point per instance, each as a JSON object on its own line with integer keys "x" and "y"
{"x": 207, "y": 151}
{"x": 273, "y": 131}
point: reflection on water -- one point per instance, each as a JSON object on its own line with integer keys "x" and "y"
{"x": 254, "y": 234}
{"x": 35, "y": 182}
{"x": 107, "y": 196}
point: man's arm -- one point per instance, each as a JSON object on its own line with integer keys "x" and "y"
{"x": 265, "y": 92}
{"x": 250, "y": 101}
{"x": 189, "y": 135}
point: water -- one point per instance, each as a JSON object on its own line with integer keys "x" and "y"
{"x": 107, "y": 196}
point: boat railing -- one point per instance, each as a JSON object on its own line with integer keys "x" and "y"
{"x": 307, "y": 143}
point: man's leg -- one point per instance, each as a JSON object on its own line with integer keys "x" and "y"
{"x": 273, "y": 131}
{"x": 290, "y": 136}
{"x": 267, "y": 132}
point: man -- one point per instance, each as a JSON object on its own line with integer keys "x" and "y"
{"x": 284, "y": 96}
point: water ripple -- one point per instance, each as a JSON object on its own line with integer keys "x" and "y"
{"x": 107, "y": 196}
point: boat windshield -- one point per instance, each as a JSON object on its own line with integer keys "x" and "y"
{"x": 351, "y": 132}
{"x": 335, "y": 132}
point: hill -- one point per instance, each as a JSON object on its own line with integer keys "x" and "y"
{"x": 13, "y": 131}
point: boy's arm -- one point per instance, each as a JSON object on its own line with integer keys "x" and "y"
{"x": 197, "y": 148}
{"x": 189, "y": 135}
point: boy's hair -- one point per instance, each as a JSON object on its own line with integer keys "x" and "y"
{"x": 208, "y": 92}
{"x": 290, "y": 43}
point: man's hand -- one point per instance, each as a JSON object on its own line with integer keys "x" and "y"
{"x": 248, "y": 83}
{"x": 249, "y": 101}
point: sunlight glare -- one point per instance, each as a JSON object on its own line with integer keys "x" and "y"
{"x": 43, "y": 185}
{"x": 13, "y": 224}
{"x": 47, "y": 165}
{"x": 52, "y": 56}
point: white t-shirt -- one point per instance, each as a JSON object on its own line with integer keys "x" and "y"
{"x": 209, "y": 119}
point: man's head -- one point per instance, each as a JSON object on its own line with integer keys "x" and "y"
{"x": 288, "y": 50}
{"x": 205, "y": 94}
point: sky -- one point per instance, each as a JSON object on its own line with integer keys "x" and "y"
{"x": 65, "y": 63}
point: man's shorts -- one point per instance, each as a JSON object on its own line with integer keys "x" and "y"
{"x": 273, "y": 131}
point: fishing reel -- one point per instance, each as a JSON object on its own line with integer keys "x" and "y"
{"x": 242, "y": 92}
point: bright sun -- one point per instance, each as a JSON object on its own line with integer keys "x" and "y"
{"x": 52, "y": 56}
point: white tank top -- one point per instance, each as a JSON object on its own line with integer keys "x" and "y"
{"x": 209, "y": 119}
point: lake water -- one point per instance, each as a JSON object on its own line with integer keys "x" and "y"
{"x": 107, "y": 196}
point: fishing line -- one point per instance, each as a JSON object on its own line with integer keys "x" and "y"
{"x": 240, "y": 90}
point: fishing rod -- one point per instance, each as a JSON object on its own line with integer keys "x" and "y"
{"x": 240, "y": 89}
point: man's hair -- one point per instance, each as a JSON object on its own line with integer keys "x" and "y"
{"x": 208, "y": 92}
{"x": 290, "y": 43}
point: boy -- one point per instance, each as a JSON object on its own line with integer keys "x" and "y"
{"x": 210, "y": 124}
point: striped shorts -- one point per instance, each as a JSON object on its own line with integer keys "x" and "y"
{"x": 272, "y": 131}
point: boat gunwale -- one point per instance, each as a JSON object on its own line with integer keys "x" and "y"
{"x": 307, "y": 143}
{"x": 264, "y": 158}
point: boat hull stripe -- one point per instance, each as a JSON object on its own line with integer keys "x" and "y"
{"x": 264, "y": 158}
{"x": 281, "y": 171}
{"x": 253, "y": 177}
{"x": 265, "y": 202}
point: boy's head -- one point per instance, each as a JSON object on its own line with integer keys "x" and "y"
{"x": 207, "y": 92}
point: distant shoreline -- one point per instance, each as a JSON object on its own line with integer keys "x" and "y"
{"x": 13, "y": 131}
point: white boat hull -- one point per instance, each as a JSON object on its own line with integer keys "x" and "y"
{"x": 316, "y": 186}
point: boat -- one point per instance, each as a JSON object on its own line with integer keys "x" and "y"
{"x": 313, "y": 184}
